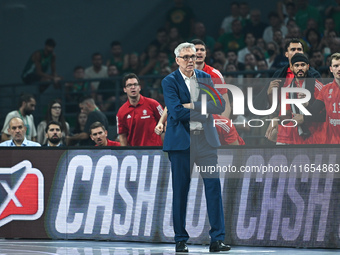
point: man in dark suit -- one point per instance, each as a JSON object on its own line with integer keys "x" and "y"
{"x": 191, "y": 138}
{"x": 53, "y": 134}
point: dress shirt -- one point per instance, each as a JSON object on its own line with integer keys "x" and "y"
{"x": 192, "y": 86}
{"x": 10, "y": 143}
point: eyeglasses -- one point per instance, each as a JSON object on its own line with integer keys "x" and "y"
{"x": 131, "y": 85}
{"x": 56, "y": 107}
{"x": 187, "y": 57}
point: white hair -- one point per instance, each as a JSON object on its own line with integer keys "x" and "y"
{"x": 182, "y": 46}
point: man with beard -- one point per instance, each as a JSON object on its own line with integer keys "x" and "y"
{"x": 328, "y": 100}
{"x": 137, "y": 117}
{"x": 281, "y": 78}
{"x": 26, "y": 107}
{"x": 303, "y": 133}
{"x": 17, "y": 131}
{"x": 53, "y": 134}
{"x": 98, "y": 134}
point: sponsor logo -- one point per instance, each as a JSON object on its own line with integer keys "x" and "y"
{"x": 334, "y": 122}
{"x": 129, "y": 116}
{"x": 21, "y": 193}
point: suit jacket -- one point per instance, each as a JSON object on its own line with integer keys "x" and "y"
{"x": 176, "y": 93}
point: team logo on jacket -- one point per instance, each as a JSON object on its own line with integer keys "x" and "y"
{"x": 330, "y": 93}
{"x": 145, "y": 112}
{"x": 21, "y": 193}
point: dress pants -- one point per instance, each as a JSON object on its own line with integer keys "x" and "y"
{"x": 181, "y": 167}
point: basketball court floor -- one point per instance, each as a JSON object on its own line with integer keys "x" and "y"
{"x": 50, "y": 247}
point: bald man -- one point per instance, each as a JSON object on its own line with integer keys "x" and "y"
{"x": 17, "y": 130}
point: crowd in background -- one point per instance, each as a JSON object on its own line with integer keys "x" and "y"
{"x": 244, "y": 43}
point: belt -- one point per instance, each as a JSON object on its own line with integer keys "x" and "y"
{"x": 196, "y": 132}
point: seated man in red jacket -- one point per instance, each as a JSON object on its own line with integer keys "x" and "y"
{"x": 98, "y": 134}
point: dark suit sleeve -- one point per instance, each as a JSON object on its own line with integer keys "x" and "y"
{"x": 172, "y": 100}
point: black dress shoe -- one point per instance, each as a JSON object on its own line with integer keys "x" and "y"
{"x": 181, "y": 247}
{"x": 218, "y": 246}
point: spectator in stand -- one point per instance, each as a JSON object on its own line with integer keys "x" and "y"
{"x": 79, "y": 127}
{"x": 106, "y": 95}
{"x": 318, "y": 62}
{"x": 255, "y": 25}
{"x": 182, "y": 17}
{"x": 17, "y": 130}
{"x": 137, "y": 118}
{"x": 334, "y": 12}
{"x": 162, "y": 62}
{"x": 174, "y": 35}
{"x": 230, "y": 78}
{"x": 261, "y": 43}
{"x": 232, "y": 59}
{"x": 294, "y": 32}
{"x": 329, "y": 25}
{"x": 226, "y": 26}
{"x": 161, "y": 68}
{"x": 328, "y": 100}
{"x": 313, "y": 39}
{"x": 118, "y": 59}
{"x": 149, "y": 59}
{"x": 200, "y": 33}
{"x": 233, "y": 40}
{"x": 39, "y": 63}
{"x": 290, "y": 24}
{"x": 250, "y": 42}
{"x": 134, "y": 63}
{"x": 306, "y": 12}
{"x": 97, "y": 70}
{"x": 98, "y": 134}
{"x": 76, "y": 90}
{"x": 161, "y": 40}
{"x": 258, "y": 52}
{"x": 88, "y": 106}
{"x": 250, "y": 60}
{"x": 280, "y": 40}
{"x": 262, "y": 66}
{"x": 53, "y": 133}
{"x": 275, "y": 60}
{"x": 335, "y": 45}
{"x": 55, "y": 113}
{"x": 26, "y": 108}
{"x": 281, "y": 8}
{"x": 275, "y": 24}
{"x": 291, "y": 11}
{"x": 244, "y": 13}
{"x": 219, "y": 57}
